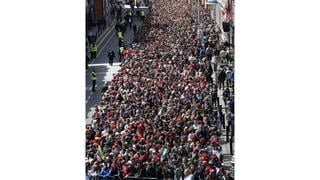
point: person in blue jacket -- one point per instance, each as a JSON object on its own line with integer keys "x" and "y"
{"x": 104, "y": 173}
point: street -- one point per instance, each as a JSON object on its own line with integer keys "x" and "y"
{"x": 101, "y": 65}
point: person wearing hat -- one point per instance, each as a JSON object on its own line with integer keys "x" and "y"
{"x": 115, "y": 171}
{"x": 155, "y": 109}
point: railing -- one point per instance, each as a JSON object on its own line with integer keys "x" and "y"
{"x": 99, "y": 177}
{"x": 117, "y": 178}
{"x": 134, "y": 177}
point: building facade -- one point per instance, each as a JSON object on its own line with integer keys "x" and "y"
{"x": 222, "y": 12}
{"x": 95, "y": 9}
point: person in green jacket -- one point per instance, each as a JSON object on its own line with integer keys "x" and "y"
{"x": 142, "y": 15}
{"x": 93, "y": 50}
{"x": 121, "y": 49}
{"x": 120, "y": 35}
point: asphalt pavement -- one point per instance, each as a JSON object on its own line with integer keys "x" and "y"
{"x": 108, "y": 40}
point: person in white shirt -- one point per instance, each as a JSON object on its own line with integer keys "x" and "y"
{"x": 188, "y": 175}
{"x": 229, "y": 73}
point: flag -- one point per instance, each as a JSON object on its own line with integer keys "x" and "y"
{"x": 221, "y": 5}
{"x": 229, "y": 10}
{"x": 222, "y": 8}
{"x": 100, "y": 154}
{"x": 223, "y": 12}
{"x": 98, "y": 158}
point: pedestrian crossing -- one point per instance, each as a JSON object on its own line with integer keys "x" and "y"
{"x": 111, "y": 70}
{"x": 89, "y": 115}
{"x": 97, "y": 65}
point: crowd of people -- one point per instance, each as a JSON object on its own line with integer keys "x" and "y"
{"x": 161, "y": 116}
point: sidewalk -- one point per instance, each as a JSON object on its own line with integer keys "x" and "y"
{"x": 107, "y": 78}
{"x": 228, "y": 156}
{"x": 107, "y": 38}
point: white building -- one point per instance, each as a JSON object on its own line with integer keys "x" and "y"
{"x": 218, "y": 12}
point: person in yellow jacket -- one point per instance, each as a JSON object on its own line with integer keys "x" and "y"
{"x": 121, "y": 49}
{"x": 120, "y": 35}
{"x": 94, "y": 79}
{"x": 130, "y": 13}
{"x": 93, "y": 50}
{"x": 142, "y": 15}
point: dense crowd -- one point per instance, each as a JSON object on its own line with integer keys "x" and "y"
{"x": 160, "y": 116}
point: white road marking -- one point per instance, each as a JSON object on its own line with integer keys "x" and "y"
{"x": 101, "y": 73}
{"x": 99, "y": 44}
{"x": 112, "y": 70}
{"x": 108, "y": 77}
{"x": 105, "y": 44}
{"x": 97, "y": 65}
{"x": 89, "y": 115}
{"x": 89, "y": 95}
